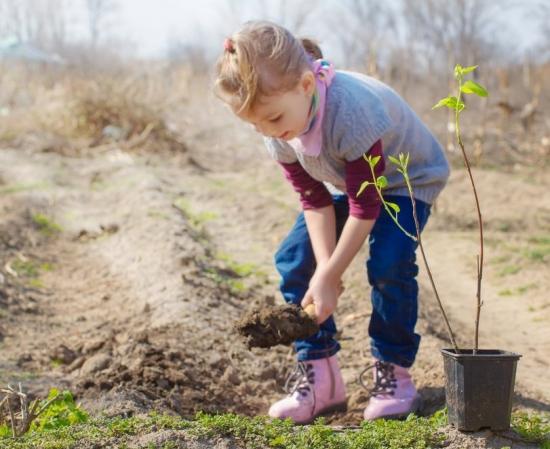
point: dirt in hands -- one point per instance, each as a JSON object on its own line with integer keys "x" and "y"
{"x": 269, "y": 326}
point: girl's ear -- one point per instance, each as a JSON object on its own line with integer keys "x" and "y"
{"x": 307, "y": 82}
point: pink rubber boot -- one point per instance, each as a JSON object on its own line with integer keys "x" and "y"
{"x": 394, "y": 395}
{"x": 315, "y": 387}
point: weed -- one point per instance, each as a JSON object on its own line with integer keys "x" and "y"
{"x": 45, "y": 224}
{"x": 22, "y": 187}
{"x": 538, "y": 254}
{"x": 60, "y": 413}
{"x": 258, "y": 432}
{"x": 540, "y": 240}
{"x": 196, "y": 220}
{"x": 30, "y": 269}
{"x": 508, "y": 270}
{"x": 26, "y": 268}
{"x": 154, "y": 213}
{"x": 534, "y": 428}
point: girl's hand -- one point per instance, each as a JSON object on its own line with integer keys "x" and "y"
{"x": 323, "y": 291}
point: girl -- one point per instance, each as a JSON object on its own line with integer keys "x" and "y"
{"x": 318, "y": 124}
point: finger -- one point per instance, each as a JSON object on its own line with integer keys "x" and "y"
{"x": 320, "y": 313}
{"x": 307, "y": 299}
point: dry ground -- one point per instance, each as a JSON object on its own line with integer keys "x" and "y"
{"x": 131, "y": 303}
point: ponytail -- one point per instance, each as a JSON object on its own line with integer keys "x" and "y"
{"x": 312, "y": 48}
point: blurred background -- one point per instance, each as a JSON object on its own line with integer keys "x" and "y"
{"x": 86, "y": 60}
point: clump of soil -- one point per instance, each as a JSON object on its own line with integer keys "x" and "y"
{"x": 269, "y": 326}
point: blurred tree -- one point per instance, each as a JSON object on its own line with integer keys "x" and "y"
{"x": 99, "y": 12}
{"x": 453, "y": 30}
{"x": 367, "y": 30}
{"x": 42, "y": 23}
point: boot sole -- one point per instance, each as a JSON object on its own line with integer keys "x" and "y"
{"x": 417, "y": 404}
{"x": 342, "y": 407}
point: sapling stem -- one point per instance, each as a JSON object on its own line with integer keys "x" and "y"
{"x": 425, "y": 259}
{"x": 379, "y": 191}
{"x": 480, "y": 221}
{"x": 468, "y": 87}
{"x": 378, "y": 183}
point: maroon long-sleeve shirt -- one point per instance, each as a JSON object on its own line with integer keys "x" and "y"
{"x": 314, "y": 194}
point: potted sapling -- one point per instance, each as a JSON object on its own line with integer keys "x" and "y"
{"x": 479, "y": 383}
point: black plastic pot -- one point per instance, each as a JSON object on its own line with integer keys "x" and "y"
{"x": 479, "y": 388}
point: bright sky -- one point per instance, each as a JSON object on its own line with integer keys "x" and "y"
{"x": 151, "y": 23}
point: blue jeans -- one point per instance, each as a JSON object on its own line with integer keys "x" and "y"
{"x": 391, "y": 270}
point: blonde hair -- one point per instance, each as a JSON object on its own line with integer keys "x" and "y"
{"x": 262, "y": 58}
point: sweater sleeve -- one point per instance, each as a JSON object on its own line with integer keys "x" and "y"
{"x": 313, "y": 193}
{"x": 367, "y": 205}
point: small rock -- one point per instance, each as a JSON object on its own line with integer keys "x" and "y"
{"x": 93, "y": 345}
{"x": 24, "y": 358}
{"x": 230, "y": 375}
{"x": 96, "y": 363}
{"x": 77, "y": 363}
{"x": 214, "y": 360}
{"x": 114, "y": 132}
{"x": 63, "y": 354}
{"x": 110, "y": 228}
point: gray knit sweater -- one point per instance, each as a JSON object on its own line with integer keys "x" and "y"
{"x": 359, "y": 111}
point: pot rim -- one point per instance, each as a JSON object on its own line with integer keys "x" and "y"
{"x": 482, "y": 354}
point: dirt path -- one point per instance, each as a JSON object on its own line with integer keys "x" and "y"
{"x": 156, "y": 260}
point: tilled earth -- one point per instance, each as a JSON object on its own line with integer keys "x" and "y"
{"x": 131, "y": 301}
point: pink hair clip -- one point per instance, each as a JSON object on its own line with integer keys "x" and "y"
{"x": 228, "y": 45}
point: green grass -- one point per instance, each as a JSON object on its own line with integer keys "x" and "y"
{"x": 45, "y": 224}
{"x": 31, "y": 269}
{"x": 534, "y": 428}
{"x": 538, "y": 254}
{"x": 250, "y": 433}
{"x": 66, "y": 426}
{"x": 519, "y": 290}
{"x": 22, "y": 187}
{"x": 233, "y": 273}
{"x": 196, "y": 219}
{"x": 236, "y": 286}
{"x": 155, "y": 213}
{"x": 509, "y": 270}
{"x": 241, "y": 269}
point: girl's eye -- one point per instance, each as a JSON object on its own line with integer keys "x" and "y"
{"x": 276, "y": 119}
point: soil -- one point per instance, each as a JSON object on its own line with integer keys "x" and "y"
{"x": 269, "y": 326}
{"x": 133, "y": 303}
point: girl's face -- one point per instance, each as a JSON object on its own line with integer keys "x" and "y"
{"x": 283, "y": 116}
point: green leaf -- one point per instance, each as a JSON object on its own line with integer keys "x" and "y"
{"x": 458, "y": 72}
{"x": 394, "y": 206}
{"x": 394, "y": 160}
{"x": 373, "y": 161}
{"x": 382, "y": 182}
{"x": 363, "y": 187}
{"x": 442, "y": 102}
{"x": 466, "y": 70}
{"x": 404, "y": 159}
{"x": 471, "y": 87}
{"x": 451, "y": 103}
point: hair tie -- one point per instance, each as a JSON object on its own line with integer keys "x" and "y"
{"x": 228, "y": 45}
